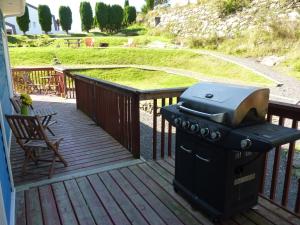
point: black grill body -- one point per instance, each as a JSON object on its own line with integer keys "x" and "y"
{"x": 219, "y": 167}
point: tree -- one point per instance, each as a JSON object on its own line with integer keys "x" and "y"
{"x": 23, "y": 21}
{"x": 150, "y": 4}
{"x": 102, "y": 15}
{"x": 45, "y": 18}
{"x": 86, "y": 15}
{"x": 115, "y": 18}
{"x": 126, "y": 3}
{"x": 65, "y": 17}
{"x": 129, "y": 15}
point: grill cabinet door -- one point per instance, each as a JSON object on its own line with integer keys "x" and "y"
{"x": 210, "y": 174}
{"x": 184, "y": 161}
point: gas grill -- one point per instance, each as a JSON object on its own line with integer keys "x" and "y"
{"x": 221, "y": 136}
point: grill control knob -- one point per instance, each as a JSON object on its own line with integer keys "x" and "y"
{"x": 204, "y": 132}
{"x": 185, "y": 124}
{"x": 194, "y": 128}
{"x": 246, "y": 144}
{"x": 177, "y": 121}
{"x": 215, "y": 135}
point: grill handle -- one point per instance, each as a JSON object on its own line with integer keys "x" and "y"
{"x": 218, "y": 117}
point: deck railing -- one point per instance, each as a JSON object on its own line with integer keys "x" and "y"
{"x": 116, "y": 109}
{"x": 113, "y": 107}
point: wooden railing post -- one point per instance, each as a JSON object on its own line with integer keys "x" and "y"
{"x": 135, "y": 113}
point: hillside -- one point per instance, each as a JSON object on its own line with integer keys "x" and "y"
{"x": 257, "y": 28}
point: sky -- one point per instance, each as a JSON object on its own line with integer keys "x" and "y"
{"x": 74, "y": 5}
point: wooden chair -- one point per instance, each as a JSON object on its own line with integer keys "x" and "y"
{"x": 31, "y": 136}
{"x": 30, "y": 86}
{"x": 89, "y": 42}
{"x": 47, "y": 121}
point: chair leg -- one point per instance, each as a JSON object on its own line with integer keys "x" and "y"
{"x": 62, "y": 159}
{"x": 51, "y": 132}
{"x": 51, "y": 171}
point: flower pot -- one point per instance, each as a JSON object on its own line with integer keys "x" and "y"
{"x": 25, "y": 110}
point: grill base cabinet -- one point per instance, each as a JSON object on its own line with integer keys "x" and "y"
{"x": 220, "y": 182}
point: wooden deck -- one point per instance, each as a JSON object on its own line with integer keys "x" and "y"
{"x": 85, "y": 146}
{"x": 138, "y": 194}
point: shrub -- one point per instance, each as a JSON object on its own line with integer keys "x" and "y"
{"x": 86, "y": 15}
{"x": 102, "y": 15}
{"x": 45, "y": 18}
{"x": 227, "y": 7}
{"x": 65, "y": 18}
{"x": 23, "y": 21}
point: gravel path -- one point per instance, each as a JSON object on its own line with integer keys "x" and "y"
{"x": 288, "y": 88}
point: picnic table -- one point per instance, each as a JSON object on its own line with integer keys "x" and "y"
{"x": 73, "y": 41}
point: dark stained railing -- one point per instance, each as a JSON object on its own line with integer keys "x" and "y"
{"x": 113, "y": 107}
{"x": 116, "y": 109}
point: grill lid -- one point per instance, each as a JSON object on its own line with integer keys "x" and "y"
{"x": 226, "y": 103}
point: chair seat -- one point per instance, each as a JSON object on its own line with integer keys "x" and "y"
{"x": 42, "y": 143}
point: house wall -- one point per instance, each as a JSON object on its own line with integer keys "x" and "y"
{"x": 34, "y": 26}
{"x": 5, "y": 133}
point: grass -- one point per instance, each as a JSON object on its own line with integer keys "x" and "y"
{"x": 181, "y": 59}
{"x": 138, "y": 78}
{"x": 140, "y": 35}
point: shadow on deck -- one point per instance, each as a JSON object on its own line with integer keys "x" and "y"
{"x": 86, "y": 147}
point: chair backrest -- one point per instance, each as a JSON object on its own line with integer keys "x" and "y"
{"x": 16, "y": 103}
{"x": 26, "y": 128}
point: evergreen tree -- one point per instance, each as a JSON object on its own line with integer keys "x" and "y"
{"x": 23, "y": 21}
{"x": 45, "y": 18}
{"x": 65, "y": 17}
{"x": 115, "y": 18}
{"x": 126, "y": 3}
{"x": 86, "y": 15}
{"x": 129, "y": 15}
{"x": 102, "y": 15}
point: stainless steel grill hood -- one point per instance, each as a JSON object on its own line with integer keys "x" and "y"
{"x": 227, "y": 104}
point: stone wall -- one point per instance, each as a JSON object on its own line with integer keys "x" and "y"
{"x": 205, "y": 20}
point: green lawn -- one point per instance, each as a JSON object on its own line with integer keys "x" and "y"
{"x": 138, "y": 78}
{"x": 181, "y": 59}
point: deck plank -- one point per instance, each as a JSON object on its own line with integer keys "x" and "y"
{"x": 20, "y": 208}
{"x": 33, "y": 207}
{"x": 165, "y": 197}
{"x": 125, "y": 204}
{"x": 48, "y": 205}
{"x": 160, "y": 208}
{"x": 111, "y": 206}
{"x": 138, "y": 200}
{"x": 64, "y": 206}
{"x": 83, "y": 214}
{"x": 94, "y": 204}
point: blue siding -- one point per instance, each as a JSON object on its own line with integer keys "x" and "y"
{"x": 6, "y": 109}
